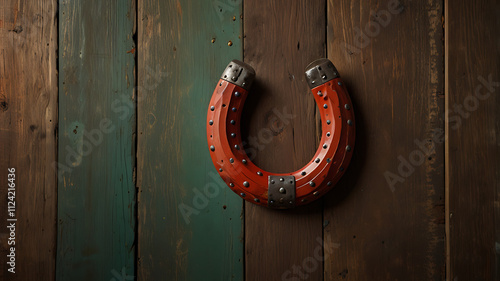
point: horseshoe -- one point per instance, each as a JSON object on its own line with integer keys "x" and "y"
{"x": 286, "y": 190}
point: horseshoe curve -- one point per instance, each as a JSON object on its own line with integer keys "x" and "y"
{"x": 285, "y": 190}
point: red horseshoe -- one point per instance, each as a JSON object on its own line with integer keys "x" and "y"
{"x": 290, "y": 189}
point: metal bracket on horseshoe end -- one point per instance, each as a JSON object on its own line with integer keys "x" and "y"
{"x": 239, "y": 73}
{"x": 319, "y": 72}
{"x": 281, "y": 192}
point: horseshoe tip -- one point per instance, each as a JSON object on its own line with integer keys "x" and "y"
{"x": 320, "y": 71}
{"x": 239, "y": 73}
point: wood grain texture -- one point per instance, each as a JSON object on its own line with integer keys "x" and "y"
{"x": 96, "y": 202}
{"x": 389, "y": 229}
{"x": 473, "y": 156}
{"x": 190, "y": 224}
{"x": 281, "y": 39}
{"x": 28, "y": 118}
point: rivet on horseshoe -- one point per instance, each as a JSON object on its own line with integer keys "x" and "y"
{"x": 289, "y": 189}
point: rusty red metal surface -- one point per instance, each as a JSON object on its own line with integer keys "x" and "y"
{"x": 311, "y": 181}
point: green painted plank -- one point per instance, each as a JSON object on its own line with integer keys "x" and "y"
{"x": 96, "y": 199}
{"x": 184, "y": 49}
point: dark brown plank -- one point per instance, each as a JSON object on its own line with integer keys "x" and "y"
{"x": 28, "y": 120}
{"x": 389, "y": 229}
{"x": 281, "y": 39}
{"x": 473, "y": 155}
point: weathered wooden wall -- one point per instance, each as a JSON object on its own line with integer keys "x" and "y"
{"x": 419, "y": 201}
{"x": 96, "y": 192}
{"x": 473, "y": 134}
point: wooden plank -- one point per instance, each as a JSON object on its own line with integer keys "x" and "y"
{"x": 96, "y": 202}
{"x": 281, "y": 39}
{"x": 184, "y": 234}
{"x": 28, "y": 119}
{"x": 473, "y": 155}
{"x": 385, "y": 217}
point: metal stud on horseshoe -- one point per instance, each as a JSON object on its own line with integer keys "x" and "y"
{"x": 289, "y": 189}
